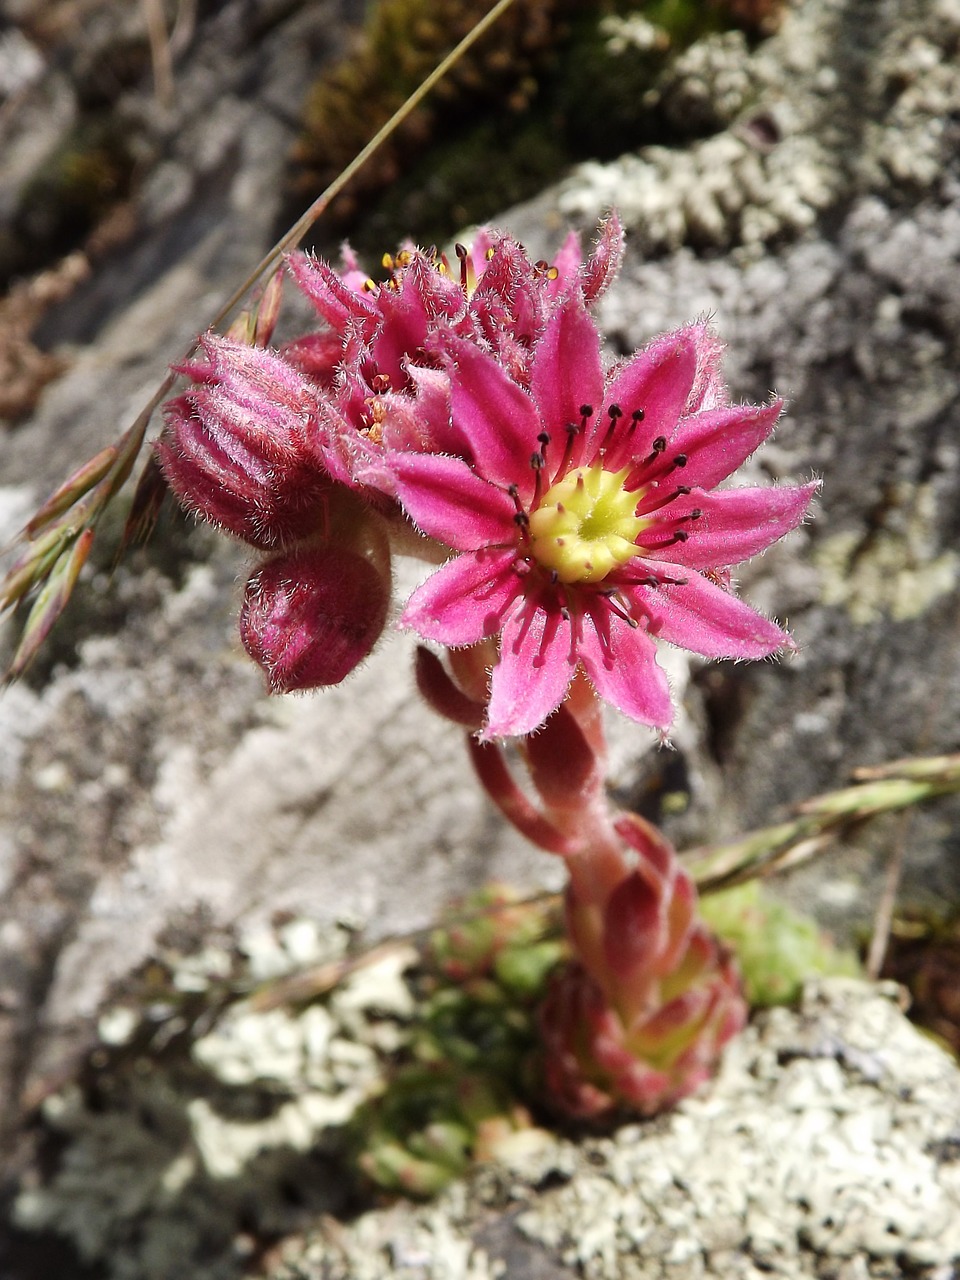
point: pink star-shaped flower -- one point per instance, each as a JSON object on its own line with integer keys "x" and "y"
{"x": 584, "y": 514}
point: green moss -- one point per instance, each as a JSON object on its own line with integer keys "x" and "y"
{"x": 551, "y": 84}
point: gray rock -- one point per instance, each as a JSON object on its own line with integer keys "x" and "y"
{"x": 149, "y": 783}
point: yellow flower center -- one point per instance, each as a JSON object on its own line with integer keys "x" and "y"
{"x": 586, "y": 524}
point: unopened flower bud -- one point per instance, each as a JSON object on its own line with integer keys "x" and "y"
{"x": 310, "y": 616}
{"x": 235, "y": 448}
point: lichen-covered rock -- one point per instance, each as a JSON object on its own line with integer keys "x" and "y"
{"x": 148, "y": 784}
{"x": 826, "y": 1147}
{"x": 827, "y": 1142}
{"x": 848, "y": 95}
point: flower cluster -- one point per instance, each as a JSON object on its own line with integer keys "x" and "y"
{"x": 461, "y": 412}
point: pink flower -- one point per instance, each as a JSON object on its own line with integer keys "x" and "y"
{"x": 381, "y": 340}
{"x": 584, "y": 514}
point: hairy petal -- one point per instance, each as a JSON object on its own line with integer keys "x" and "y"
{"x": 567, "y": 261}
{"x": 717, "y": 442}
{"x": 735, "y": 524}
{"x": 465, "y": 599}
{"x": 658, "y": 381}
{"x": 709, "y": 390}
{"x": 702, "y": 617}
{"x": 536, "y": 665}
{"x": 332, "y": 297}
{"x": 420, "y": 423}
{"x": 600, "y": 269}
{"x": 566, "y": 373}
{"x": 448, "y": 501}
{"x": 496, "y": 415}
{"x": 621, "y": 663}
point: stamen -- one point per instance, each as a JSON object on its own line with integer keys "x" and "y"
{"x": 618, "y": 605}
{"x": 514, "y": 493}
{"x": 572, "y": 431}
{"x": 536, "y": 461}
{"x": 462, "y": 254}
{"x": 638, "y": 415}
{"x": 657, "y": 448}
{"x": 647, "y": 509}
{"x": 679, "y": 536}
{"x": 615, "y": 413}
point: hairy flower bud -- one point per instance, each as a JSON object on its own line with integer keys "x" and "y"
{"x": 236, "y": 447}
{"x": 310, "y": 616}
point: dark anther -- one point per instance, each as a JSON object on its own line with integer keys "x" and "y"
{"x": 461, "y": 251}
{"x": 586, "y": 410}
{"x": 521, "y": 519}
{"x": 615, "y": 411}
{"x": 683, "y": 490}
{"x": 695, "y": 514}
{"x": 680, "y": 536}
{"x": 565, "y": 613}
{"x": 542, "y": 265}
{"x": 637, "y": 415}
{"x": 572, "y": 428}
{"x": 680, "y": 460}
{"x": 554, "y": 577}
{"x": 660, "y": 444}
{"x": 544, "y": 438}
{"x": 536, "y": 461}
{"x": 513, "y": 491}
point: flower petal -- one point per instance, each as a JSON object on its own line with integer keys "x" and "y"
{"x": 332, "y": 297}
{"x": 622, "y": 665}
{"x": 717, "y": 442}
{"x": 536, "y": 665}
{"x": 566, "y": 374}
{"x": 424, "y": 302}
{"x": 446, "y": 500}
{"x": 735, "y": 524}
{"x": 698, "y": 615}
{"x": 465, "y": 599}
{"x": 495, "y": 414}
{"x": 657, "y": 381}
{"x": 420, "y": 423}
{"x": 600, "y": 269}
{"x": 709, "y": 390}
